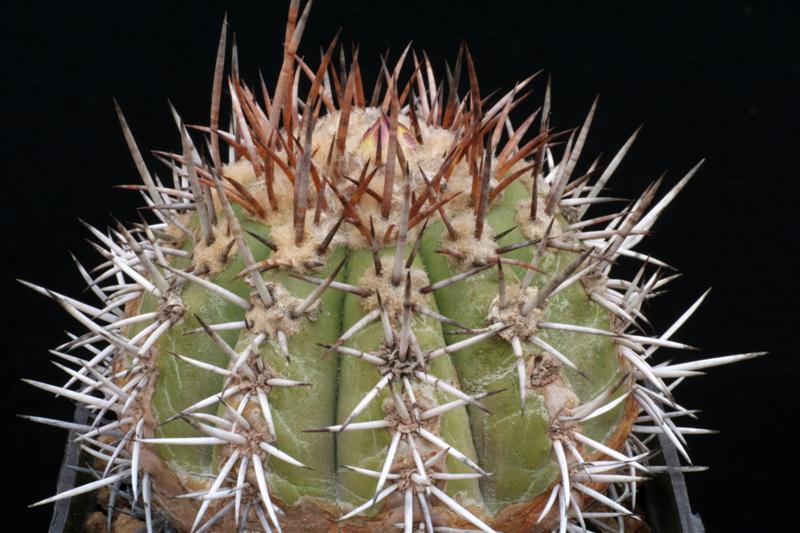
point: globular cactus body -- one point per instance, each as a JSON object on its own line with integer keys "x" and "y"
{"x": 375, "y": 314}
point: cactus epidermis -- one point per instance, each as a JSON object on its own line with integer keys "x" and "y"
{"x": 375, "y": 313}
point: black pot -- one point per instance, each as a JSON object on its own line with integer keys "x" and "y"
{"x": 664, "y": 499}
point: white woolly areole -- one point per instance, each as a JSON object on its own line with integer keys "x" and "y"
{"x": 424, "y": 397}
{"x": 211, "y": 258}
{"x": 289, "y": 254}
{"x": 271, "y": 320}
{"x": 392, "y": 296}
{"x": 536, "y": 228}
{"x": 469, "y": 250}
{"x": 522, "y": 326}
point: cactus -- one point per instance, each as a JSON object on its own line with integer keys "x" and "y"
{"x": 384, "y": 310}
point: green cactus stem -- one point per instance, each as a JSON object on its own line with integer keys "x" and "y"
{"x": 375, "y": 313}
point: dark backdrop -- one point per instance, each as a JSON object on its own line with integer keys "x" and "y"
{"x": 708, "y": 81}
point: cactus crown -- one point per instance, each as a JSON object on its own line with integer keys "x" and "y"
{"x": 381, "y": 310}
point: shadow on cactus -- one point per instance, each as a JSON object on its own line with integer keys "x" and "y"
{"x": 382, "y": 308}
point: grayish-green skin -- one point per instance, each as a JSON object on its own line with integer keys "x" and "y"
{"x": 512, "y": 444}
{"x": 367, "y": 449}
{"x": 515, "y": 445}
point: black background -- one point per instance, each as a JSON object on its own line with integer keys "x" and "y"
{"x": 708, "y": 81}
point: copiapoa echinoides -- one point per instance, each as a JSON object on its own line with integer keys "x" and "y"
{"x": 374, "y": 308}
